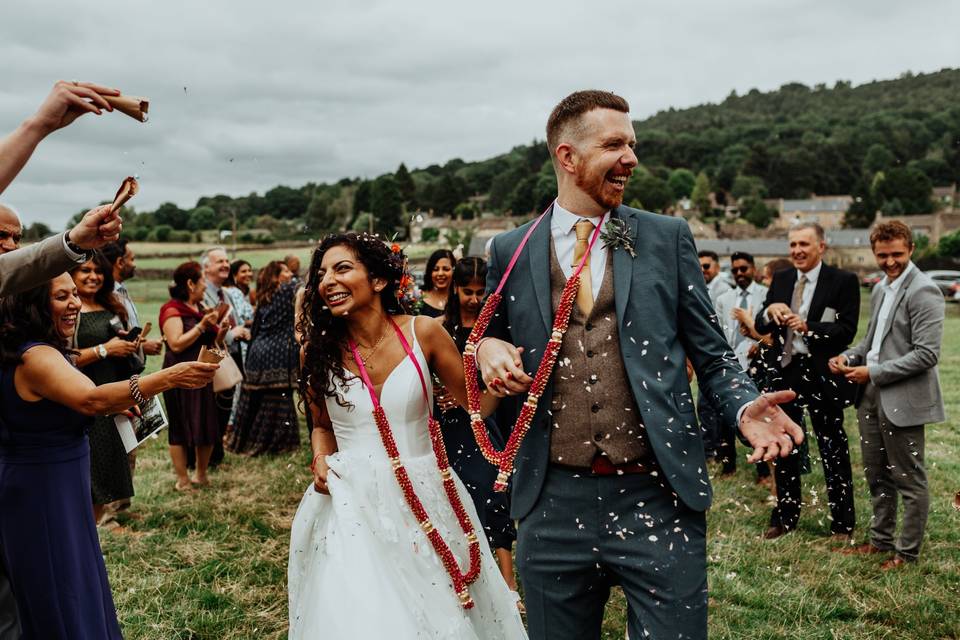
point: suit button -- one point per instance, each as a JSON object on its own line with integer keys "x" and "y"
{"x": 595, "y": 408}
{"x": 589, "y": 353}
{"x": 589, "y": 326}
{"x": 597, "y": 437}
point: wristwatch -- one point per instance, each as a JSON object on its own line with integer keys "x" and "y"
{"x": 101, "y": 351}
{"x": 75, "y": 247}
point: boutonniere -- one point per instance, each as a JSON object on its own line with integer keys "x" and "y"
{"x": 617, "y": 234}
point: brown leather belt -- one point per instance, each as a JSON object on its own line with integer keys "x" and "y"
{"x": 601, "y": 466}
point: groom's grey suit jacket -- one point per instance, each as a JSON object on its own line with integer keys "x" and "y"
{"x": 664, "y": 315}
{"x": 26, "y": 268}
{"x": 908, "y": 385}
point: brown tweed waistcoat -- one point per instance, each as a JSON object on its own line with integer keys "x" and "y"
{"x": 592, "y": 410}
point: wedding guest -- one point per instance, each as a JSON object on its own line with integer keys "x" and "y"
{"x": 293, "y": 263}
{"x": 192, "y": 414}
{"x": 266, "y": 415}
{"x": 237, "y": 290}
{"x": 436, "y": 283}
{"x": 812, "y": 310}
{"x": 777, "y": 264}
{"x": 216, "y": 270}
{"x": 50, "y": 545}
{"x": 123, "y": 261}
{"x": 104, "y": 357}
{"x": 466, "y": 300}
{"x": 896, "y": 364}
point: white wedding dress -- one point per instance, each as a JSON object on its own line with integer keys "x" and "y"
{"x": 360, "y": 567}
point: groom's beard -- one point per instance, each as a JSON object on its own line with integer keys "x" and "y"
{"x": 598, "y": 189}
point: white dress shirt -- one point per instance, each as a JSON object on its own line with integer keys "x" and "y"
{"x": 889, "y": 291}
{"x": 726, "y": 303}
{"x": 563, "y": 232}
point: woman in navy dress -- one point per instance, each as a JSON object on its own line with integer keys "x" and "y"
{"x": 47, "y": 534}
{"x": 466, "y": 299}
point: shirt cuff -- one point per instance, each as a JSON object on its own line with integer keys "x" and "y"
{"x": 740, "y": 412}
{"x": 73, "y": 255}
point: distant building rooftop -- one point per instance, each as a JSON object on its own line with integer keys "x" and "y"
{"x": 837, "y": 204}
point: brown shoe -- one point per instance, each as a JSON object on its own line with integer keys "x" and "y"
{"x": 896, "y": 562}
{"x": 774, "y": 532}
{"x": 860, "y": 549}
{"x": 845, "y": 538}
{"x": 956, "y": 501}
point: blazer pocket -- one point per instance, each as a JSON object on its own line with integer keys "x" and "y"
{"x": 683, "y": 401}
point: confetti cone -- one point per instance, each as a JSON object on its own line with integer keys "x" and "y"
{"x": 127, "y": 190}
{"x": 136, "y": 108}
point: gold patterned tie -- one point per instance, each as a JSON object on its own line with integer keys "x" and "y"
{"x": 795, "y": 304}
{"x": 585, "y": 293}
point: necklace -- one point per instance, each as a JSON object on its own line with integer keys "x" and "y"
{"x": 373, "y": 350}
{"x": 503, "y": 460}
{"x": 461, "y": 581}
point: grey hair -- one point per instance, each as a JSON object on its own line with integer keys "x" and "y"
{"x": 205, "y": 256}
{"x": 821, "y": 235}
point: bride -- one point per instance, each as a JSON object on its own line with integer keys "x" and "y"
{"x": 386, "y": 542}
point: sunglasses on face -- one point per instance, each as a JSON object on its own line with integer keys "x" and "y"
{"x": 705, "y": 266}
{"x": 6, "y": 235}
{"x": 739, "y": 269}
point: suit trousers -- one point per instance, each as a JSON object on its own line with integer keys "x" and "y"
{"x": 893, "y": 464}
{"x": 588, "y": 533}
{"x": 9, "y": 618}
{"x": 823, "y": 404}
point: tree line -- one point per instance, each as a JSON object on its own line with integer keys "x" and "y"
{"x": 887, "y": 143}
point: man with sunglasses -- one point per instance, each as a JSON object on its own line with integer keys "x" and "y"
{"x": 706, "y": 411}
{"x": 733, "y": 308}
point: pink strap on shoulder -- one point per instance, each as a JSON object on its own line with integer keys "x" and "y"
{"x": 526, "y": 237}
{"x": 406, "y": 347}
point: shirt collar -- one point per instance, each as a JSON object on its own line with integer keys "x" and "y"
{"x": 895, "y": 285}
{"x": 563, "y": 220}
{"x": 812, "y": 275}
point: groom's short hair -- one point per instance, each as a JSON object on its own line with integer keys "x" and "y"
{"x": 567, "y": 114}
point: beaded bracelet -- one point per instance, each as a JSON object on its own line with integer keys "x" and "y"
{"x": 135, "y": 390}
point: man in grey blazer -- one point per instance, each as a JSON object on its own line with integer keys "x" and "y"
{"x": 611, "y": 481}
{"x": 896, "y": 362}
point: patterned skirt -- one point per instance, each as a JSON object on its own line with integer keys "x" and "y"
{"x": 266, "y": 422}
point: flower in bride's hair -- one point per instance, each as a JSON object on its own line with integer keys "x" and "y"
{"x": 395, "y": 248}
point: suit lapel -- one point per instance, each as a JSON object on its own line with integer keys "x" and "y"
{"x": 539, "y": 252}
{"x": 818, "y": 304}
{"x": 623, "y": 263}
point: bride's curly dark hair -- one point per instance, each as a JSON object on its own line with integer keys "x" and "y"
{"x": 326, "y": 335}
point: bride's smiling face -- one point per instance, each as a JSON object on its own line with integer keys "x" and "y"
{"x": 345, "y": 283}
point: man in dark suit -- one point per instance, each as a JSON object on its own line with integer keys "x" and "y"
{"x": 611, "y": 482}
{"x": 812, "y": 311}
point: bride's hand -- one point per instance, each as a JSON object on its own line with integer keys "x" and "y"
{"x": 320, "y": 471}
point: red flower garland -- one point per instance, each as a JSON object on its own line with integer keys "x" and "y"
{"x": 461, "y": 581}
{"x": 504, "y": 459}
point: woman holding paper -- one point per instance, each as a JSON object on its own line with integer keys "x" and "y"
{"x": 49, "y": 539}
{"x": 103, "y": 357}
{"x": 192, "y": 414}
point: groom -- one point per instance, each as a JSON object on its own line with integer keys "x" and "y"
{"x": 611, "y": 483}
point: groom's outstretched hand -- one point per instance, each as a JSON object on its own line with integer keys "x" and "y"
{"x": 768, "y": 429}
{"x": 501, "y": 368}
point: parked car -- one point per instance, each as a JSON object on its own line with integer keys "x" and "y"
{"x": 870, "y": 280}
{"x": 945, "y": 280}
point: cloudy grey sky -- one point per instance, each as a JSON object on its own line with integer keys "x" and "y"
{"x": 245, "y": 96}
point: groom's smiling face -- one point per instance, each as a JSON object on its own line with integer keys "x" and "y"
{"x": 604, "y": 156}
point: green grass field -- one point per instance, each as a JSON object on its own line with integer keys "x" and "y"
{"x": 213, "y": 565}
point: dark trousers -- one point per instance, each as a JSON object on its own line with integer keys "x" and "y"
{"x": 9, "y": 619}
{"x": 588, "y": 533}
{"x": 824, "y": 405}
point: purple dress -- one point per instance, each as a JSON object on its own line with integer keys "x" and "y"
{"x": 47, "y": 534}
